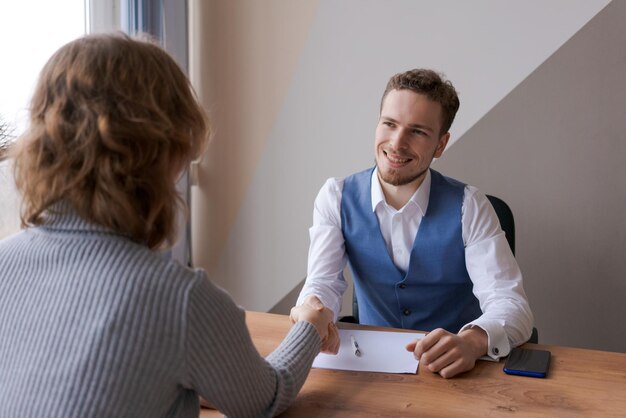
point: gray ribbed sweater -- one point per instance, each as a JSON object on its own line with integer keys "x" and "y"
{"x": 95, "y": 325}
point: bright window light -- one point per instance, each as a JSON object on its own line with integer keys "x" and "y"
{"x": 31, "y": 31}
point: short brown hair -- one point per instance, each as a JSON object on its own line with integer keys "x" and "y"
{"x": 113, "y": 122}
{"x": 433, "y": 86}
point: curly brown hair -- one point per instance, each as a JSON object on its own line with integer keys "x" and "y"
{"x": 113, "y": 123}
{"x": 431, "y": 84}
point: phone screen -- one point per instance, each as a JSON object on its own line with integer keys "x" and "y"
{"x": 527, "y": 362}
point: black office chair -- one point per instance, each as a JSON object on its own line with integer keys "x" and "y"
{"x": 507, "y": 222}
{"x": 505, "y": 216}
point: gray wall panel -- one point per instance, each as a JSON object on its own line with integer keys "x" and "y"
{"x": 555, "y": 149}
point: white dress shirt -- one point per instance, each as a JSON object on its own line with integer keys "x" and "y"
{"x": 507, "y": 318}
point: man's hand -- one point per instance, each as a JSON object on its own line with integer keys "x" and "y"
{"x": 314, "y": 311}
{"x": 450, "y": 354}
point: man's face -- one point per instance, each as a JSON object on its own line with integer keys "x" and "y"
{"x": 408, "y": 137}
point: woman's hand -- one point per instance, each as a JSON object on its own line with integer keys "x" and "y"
{"x": 314, "y": 312}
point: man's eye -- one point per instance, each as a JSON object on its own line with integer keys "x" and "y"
{"x": 418, "y": 132}
{"x": 387, "y": 123}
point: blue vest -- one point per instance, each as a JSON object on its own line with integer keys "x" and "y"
{"x": 436, "y": 291}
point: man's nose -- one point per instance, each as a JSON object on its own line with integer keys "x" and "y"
{"x": 398, "y": 139}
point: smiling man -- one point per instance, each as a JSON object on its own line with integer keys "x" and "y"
{"x": 426, "y": 251}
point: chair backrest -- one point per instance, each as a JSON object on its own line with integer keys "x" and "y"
{"x": 505, "y": 216}
{"x": 507, "y": 223}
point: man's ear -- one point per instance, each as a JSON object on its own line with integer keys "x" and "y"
{"x": 441, "y": 146}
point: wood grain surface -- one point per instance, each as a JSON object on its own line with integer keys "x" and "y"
{"x": 580, "y": 383}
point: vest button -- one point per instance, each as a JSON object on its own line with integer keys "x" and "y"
{"x": 407, "y": 312}
{"x": 402, "y": 286}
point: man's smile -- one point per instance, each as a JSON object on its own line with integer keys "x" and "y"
{"x": 396, "y": 159}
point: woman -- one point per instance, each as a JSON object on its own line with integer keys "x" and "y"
{"x": 93, "y": 322}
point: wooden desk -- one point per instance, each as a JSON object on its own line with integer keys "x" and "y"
{"x": 580, "y": 383}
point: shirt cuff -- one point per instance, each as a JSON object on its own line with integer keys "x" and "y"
{"x": 497, "y": 342}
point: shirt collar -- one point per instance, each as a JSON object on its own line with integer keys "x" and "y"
{"x": 420, "y": 197}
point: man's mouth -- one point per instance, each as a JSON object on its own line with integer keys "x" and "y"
{"x": 396, "y": 159}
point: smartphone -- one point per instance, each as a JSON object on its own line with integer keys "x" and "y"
{"x": 527, "y": 362}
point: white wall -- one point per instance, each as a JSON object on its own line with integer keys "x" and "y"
{"x": 294, "y": 95}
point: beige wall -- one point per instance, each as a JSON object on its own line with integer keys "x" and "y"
{"x": 243, "y": 56}
{"x": 293, "y": 91}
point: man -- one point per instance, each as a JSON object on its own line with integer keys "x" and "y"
{"x": 426, "y": 251}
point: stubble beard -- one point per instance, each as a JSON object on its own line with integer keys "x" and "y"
{"x": 394, "y": 178}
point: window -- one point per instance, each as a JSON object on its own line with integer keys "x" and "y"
{"x": 31, "y": 31}
{"x": 37, "y": 29}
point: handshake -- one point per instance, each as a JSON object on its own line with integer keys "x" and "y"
{"x": 322, "y": 318}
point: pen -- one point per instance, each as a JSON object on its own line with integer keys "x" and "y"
{"x": 355, "y": 346}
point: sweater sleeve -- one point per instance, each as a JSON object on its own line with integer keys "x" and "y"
{"x": 223, "y": 365}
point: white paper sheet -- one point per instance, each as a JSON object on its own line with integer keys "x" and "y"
{"x": 380, "y": 352}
